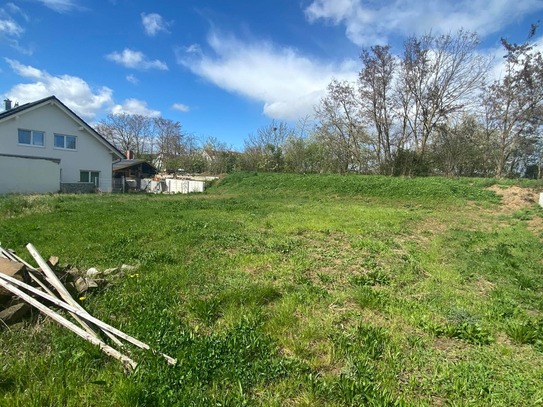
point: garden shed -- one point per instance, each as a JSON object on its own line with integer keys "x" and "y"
{"x": 128, "y": 174}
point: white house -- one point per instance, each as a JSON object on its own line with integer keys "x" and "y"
{"x": 46, "y": 147}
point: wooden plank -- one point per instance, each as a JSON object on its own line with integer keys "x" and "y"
{"x": 85, "y": 315}
{"x": 14, "y": 257}
{"x": 108, "y": 350}
{"x": 6, "y": 254}
{"x": 38, "y": 281}
{"x": 11, "y": 268}
{"x": 55, "y": 282}
{"x": 29, "y": 268}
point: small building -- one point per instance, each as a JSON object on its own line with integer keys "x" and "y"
{"x": 129, "y": 173}
{"x": 46, "y": 147}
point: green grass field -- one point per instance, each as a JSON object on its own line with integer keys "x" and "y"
{"x": 291, "y": 290}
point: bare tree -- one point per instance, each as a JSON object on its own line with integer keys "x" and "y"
{"x": 128, "y": 132}
{"x": 514, "y": 104}
{"x": 264, "y": 150}
{"x": 298, "y": 149}
{"x": 375, "y": 83}
{"x": 169, "y": 139}
{"x": 295, "y": 154}
{"x": 341, "y": 128}
{"x": 397, "y": 106}
{"x": 439, "y": 78}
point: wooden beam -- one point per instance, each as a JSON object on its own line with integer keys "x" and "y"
{"x": 55, "y": 282}
{"x": 38, "y": 281}
{"x": 65, "y": 295}
{"x": 108, "y": 350}
{"x": 84, "y": 315}
{"x": 32, "y": 273}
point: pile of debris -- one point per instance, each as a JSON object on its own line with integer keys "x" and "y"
{"x": 23, "y": 285}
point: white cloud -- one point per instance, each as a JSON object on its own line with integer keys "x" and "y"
{"x": 498, "y": 69}
{"x": 288, "y": 83}
{"x": 153, "y": 23}
{"x": 193, "y": 49}
{"x": 71, "y": 90}
{"x": 61, "y": 6}
{"x": 10, "y": 28}
{"x": 368, "y": 23}
{"x": 132, "y": 79}
{"x": 180, "y": 107}
{"x": 25, "y": 71}
{"x": 136, "y": 60}
{"x": 135, "y": 106}
{"x": 13, "y": 9}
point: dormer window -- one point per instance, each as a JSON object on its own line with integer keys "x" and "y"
{"x": 65, "y": 142}
{"x": 31, "y": 137}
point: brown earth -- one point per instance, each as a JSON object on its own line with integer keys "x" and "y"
{"x": 515, "y": 198}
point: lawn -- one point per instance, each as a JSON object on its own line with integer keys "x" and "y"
{"x": 292, "y": 290}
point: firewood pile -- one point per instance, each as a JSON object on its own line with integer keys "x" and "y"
{"x": 49, "y": 289}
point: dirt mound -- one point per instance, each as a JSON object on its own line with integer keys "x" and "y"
{"x": 515, "y": 198}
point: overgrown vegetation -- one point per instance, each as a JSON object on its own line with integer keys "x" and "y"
{"x": 302, "y": 290}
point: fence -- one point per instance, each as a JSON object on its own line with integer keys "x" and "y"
{"x": 184, "y": 186}
{"x": 169, "y": 185}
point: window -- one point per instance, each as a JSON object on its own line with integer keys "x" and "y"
{"x": 65, "y": 142}
{"x": 31, "y": 137}
{"x": 90, "y": 176}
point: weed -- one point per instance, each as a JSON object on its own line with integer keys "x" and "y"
{"x": 372, "y": 278}
{"x": 527, "y": 332}
{"x": 366, "y": 297}
{"x": 470, "y": 332}
{"x": 460, "y": 325}
{"x": 207, "y": 310}
{"x": 362, "y": 383}
{"x": 214, "y": 369}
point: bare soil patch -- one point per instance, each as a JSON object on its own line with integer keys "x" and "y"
{"x": 515, "y": 198}
{"x": 483, "y": 286}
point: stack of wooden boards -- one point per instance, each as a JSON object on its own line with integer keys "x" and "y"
{"x": 41, "y": 288}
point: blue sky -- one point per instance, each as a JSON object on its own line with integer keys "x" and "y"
{"x": 222, "y": 68}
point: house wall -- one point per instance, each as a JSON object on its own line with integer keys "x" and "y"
{"x": 28, "y": 175}
{"x": 90, "y": 154}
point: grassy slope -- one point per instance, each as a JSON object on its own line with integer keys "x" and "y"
{"x": 291, "y": 290}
